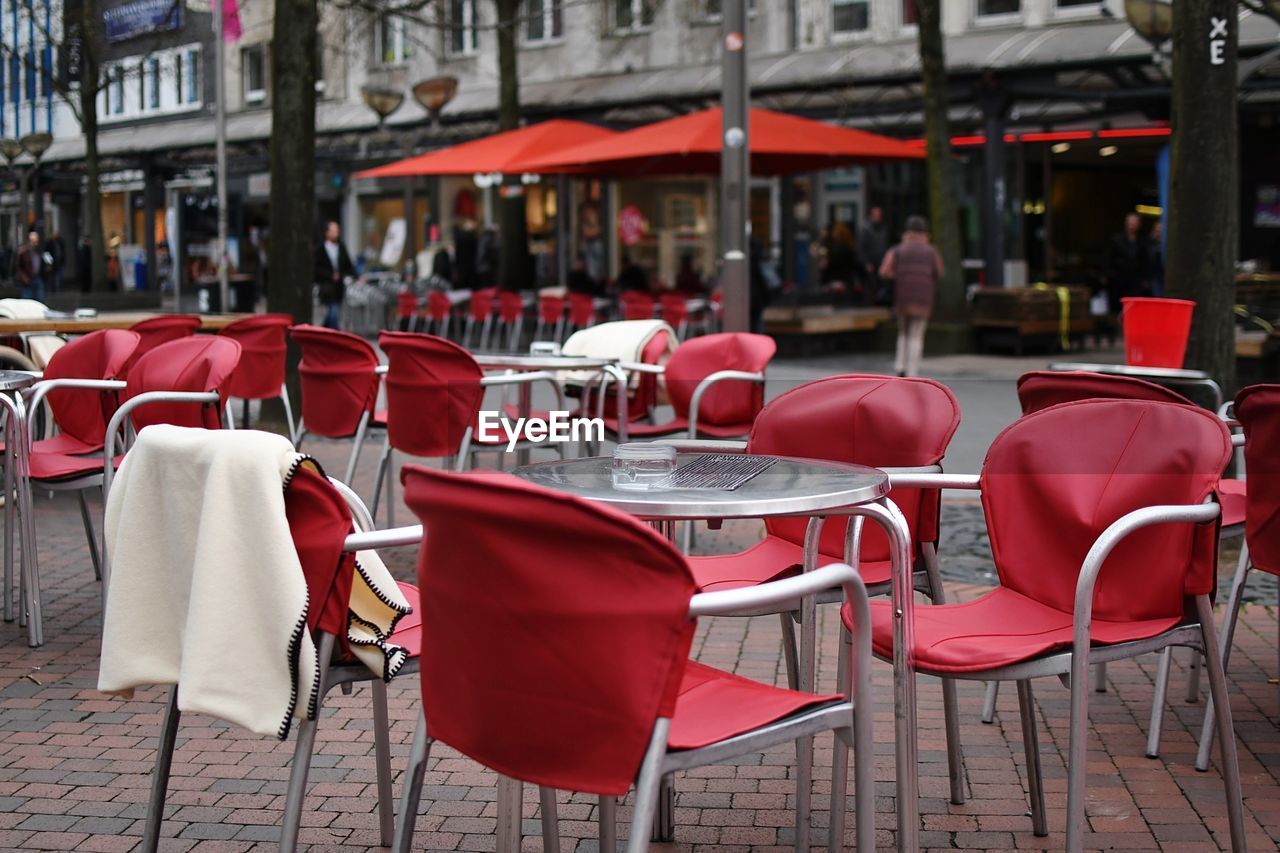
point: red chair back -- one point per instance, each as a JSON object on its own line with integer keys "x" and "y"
{"x": 636, "y": 305}
{"x": 482, "y": 303}
{"x": 155, "y": 331}
{"x": 406, "y": 305}
{"x": 1056, "y": 479}
{"x": 338, "y": 380}
{"x": 727, "y": 403}
{"x": 551, "y": 309}
{"x": 675, "y": 308}
{"x": 582, "y": 309}
{"x": 263, "y": 347}
{"x": 573, "y": 613}
{"x": 438, "y": 306}
{"x": 510, "y": 306}
{"x": 880, "y": 421}
{"x": 1040, "y": 389}
{"x": 1258, "y": 410}
{"x": 433, "y": 393}
{"x": 81, "y": 413}
{"x": 201, "y": 364}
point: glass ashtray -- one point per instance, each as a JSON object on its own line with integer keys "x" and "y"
{"x": 640, "y": 465}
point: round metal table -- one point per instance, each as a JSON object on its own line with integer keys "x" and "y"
{"x": 789, "y": 487}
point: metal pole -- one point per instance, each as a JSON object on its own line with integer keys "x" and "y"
{"x": 995, "y": 188}
{"x": 220, "y": 124}
{"x": 735, "y": 274}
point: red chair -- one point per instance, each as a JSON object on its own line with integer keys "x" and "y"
{"x": 636, "y": 305}
{"x": 260, "y": 375}
{"x": 439, "y": 311}
{"x": 582, "y": 311}
{"x": 434, "y": 393}
{"x": 1103, "y": 533}
{"x": 895, "y": 424}
{"x": 320, "y": 515}
{"x": 715, "y": 384}
{"x": 1258, "y": 410}
{"x": 182, "y": 382}
{"x": 566, "y": 606}
{"x": 339, "y": 376}
{"x": 550, "y": 316}
{"x": 1040, "y": 389}
{"x": 480, "y": 310}
{"x": 407, "y": 303}
{"x": 161, "y": 329}
{"x": 675, "y": 313}
{"x": 510, "y": 318}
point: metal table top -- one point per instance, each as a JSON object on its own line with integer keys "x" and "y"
{"x": 1133, "y": 370}
{"x": 788, "y": 487}
{"x": 13, "y": 380}
{"x": 543, "y": 362}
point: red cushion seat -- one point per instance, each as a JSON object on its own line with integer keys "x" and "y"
{"x": 714, "y": 705}
{"x": 1231, "y": 494}
{"x": 773, "y": 558}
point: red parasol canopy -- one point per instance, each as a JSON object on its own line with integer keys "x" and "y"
{"x": 501, "y": 152}
{"x": 780, "y": 144}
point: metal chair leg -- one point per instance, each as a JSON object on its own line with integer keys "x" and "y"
{"x": 840, "y": 755}
{"x": 389, "y": 475}
{"x": 382, "y": 760}
{"x": 355, "y": 450}
{"x": 1100, "y": 678}
{"x": 1226, "y": 639}
{"x": 1159, "y": 697}
{"x": 950, "y": 704}
{"x": 1193, "y": 679}
{"x": 10, "y": 501}
{"x": 1226, "y": 733}
{"x": 377, "y": 480}
{"x": 989, "y": 702}
{"x": 608, "y": 820}
{"x": 88, "y": 532}
{"x": 790, "y": 651}
{"x": 550, "y": 820}
{"x": 648, "y": 788}
{"x": 1078, "y": 754}
{"x": 411, "y": 793}
{"x": 160, "y": 776}
{"x": 1031, "y": 745}
{"x": 288, "y": 410}
{"x": 296, "y": 793}
{"x": 466, "y": 332}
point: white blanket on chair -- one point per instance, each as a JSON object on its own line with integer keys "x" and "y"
{"x": 623, "y": 340}
{"x": 206, "y": 589}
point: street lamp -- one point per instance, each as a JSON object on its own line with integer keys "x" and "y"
{"x": 1152, "y": 19}
{"x": 34, "y": 145}
{"x": 434, "y": 95}
{"x": 382, "y": 101}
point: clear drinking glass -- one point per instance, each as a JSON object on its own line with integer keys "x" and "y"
{"x": 638, "y": 465}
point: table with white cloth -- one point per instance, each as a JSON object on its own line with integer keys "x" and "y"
{"x": 788, "y": 487}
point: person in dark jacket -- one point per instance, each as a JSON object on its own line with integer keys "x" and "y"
{"x": 1128, "y": 263}
{"x": 632, "y": 277}
{"x": 333, "y": 268}
{"x": 579, "y": 280}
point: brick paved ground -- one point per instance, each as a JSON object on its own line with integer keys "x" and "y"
{"x": 74, "y": 765}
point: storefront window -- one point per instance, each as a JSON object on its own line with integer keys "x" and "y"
{"x": 675, "y": 225}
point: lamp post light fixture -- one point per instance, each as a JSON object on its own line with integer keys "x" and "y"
{"x": 434, "y": 95}
{"x": 382, "y": 101}
{"x": 34, "y": 145}
{"x": 1152, "y": 19}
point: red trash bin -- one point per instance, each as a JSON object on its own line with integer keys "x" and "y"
{"x": 1155, "y": 330}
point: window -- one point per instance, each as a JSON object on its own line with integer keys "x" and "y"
{"x": 714, "y": 7}
{"x": 1067, "y": 4}
{"x": 909, "y": 12}
{"x": 850, "y": 16}
{"x": 46, "y": 71}
{"x": 461, "y": 34}
{"x": 151, "y": 83}
{"x": 393, "y": 42}
{"x": 632, "y": 14}
{"x": 115, "y": 90}
{"x": 191, "y": 71}
{"x": 544, "y": 20}
{"x": 253, "y": 71}
{"x": 15, "y": 78}
{"x": 998, "y": 7}
{"x": 33, "y": 71}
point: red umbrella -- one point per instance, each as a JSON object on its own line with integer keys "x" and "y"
{"x": 780, "y": 144}
{"x": 501, "y": 152}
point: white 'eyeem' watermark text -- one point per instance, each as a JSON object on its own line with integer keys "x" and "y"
{"x": 556, "y": 428}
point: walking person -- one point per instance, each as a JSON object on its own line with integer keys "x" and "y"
{"x": 31, "y": 268}
{"x": 873, "y": 242}
{"x": 333, "y": 268}
{"x": 56, "y": 249}
{"x": 914, "y": 266}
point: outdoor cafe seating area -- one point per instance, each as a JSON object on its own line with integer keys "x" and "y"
{"x": 553, "y": 630}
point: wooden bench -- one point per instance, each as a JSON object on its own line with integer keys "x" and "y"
{"x": 810, "y": 328}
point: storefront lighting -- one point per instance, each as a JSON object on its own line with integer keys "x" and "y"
{"x": 1150, "y": 210}
{"x": 527, "y": 178}
{"x": 1108, "y": 150}
{"x": 1061, "y": 147}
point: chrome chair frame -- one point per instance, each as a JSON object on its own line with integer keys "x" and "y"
{"x": 1073, "y": 666}
{"x": 362, "y": 429}
{"x": 850, "y": 719}
{"x": 626, "y": 367}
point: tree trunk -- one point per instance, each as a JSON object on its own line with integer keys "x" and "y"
{"x": 291, "y": 254}
{"x": 1204, "y": 181}
{"x": 89, "y": 87}
{"x": 943, "y": 216}
{"x": 513, "y": 244}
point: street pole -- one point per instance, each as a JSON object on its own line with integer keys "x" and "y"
{"x": 735, "y": 272}
{"x": 220, "y": 125}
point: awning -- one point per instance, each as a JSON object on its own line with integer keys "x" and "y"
{"x": 780, "y": 144}
{"x": 504, "y": 152}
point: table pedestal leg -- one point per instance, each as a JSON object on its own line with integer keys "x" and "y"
{"x": 510, "y": 803}
{"x": 664, "y": 818}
